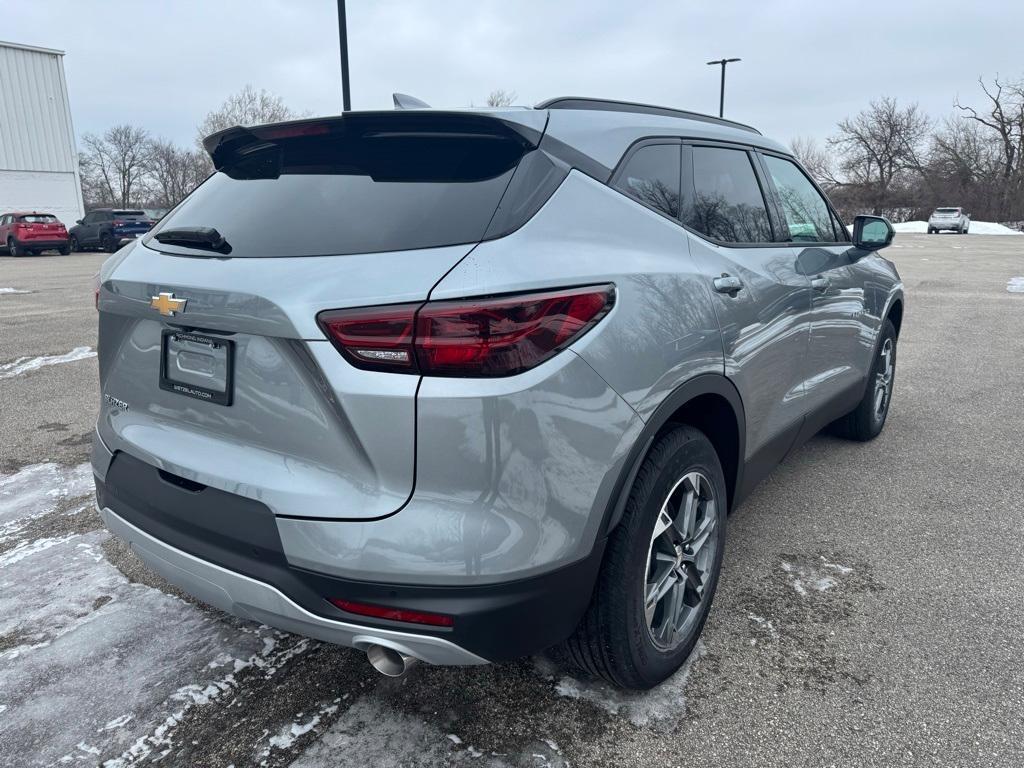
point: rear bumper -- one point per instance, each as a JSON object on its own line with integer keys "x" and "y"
{"x": 42, "y": 243}
{"x": 226, "y": 550}
{"x": 248, "y": 598}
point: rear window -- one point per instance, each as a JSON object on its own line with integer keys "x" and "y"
{"x": 130, "y": 215}
{"x": 38, "y": 218}
{"x": 338, "y": 194}
{"x": 947, "y": 210}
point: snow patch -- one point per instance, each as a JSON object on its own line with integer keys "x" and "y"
{"x": 94, "y": 647}
{"x": 13, "y": 290}
{"x": 117, "y": 722}
{"x": 975, "y": 228}
{"x": 665, "y": 702}
{"x": 288, "y": 736}
{"x": 28, "y": 548}
{"x": 765, "y": 624}
{"x": 36, "y": 490}
{"x": 804, "y": 578}
{"x": 1015, "y": 285}
{"x": 376, "y": 735}
{"x": 25, "y": 364}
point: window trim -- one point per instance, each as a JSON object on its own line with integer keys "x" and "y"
{"x": 777, "y": 200}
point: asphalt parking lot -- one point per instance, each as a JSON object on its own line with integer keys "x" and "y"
{"x": 869, "y": 614}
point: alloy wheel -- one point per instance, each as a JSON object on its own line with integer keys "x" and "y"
{"x": 680, "y": 560}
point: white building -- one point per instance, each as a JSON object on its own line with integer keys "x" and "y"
{"x": 38, "y": 160}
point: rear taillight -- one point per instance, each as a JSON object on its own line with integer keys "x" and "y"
{"x": 394, "y": 614}
{"x": 376, "y": 338}
{"x": 469, "y": 337}
{"x": 119, "y": 223}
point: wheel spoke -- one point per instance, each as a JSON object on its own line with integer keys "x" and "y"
{"x": 692, "y": 547}
{"x": 675, "y": 606}
{"x": 665, "y": 579}
{"x": 687, "y": 518}
{"x": 664, "y": 521}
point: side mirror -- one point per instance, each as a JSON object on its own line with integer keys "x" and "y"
{"x": 78, "y": 221}
{"x": 872, "y": 233}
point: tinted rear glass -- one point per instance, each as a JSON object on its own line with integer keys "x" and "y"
{"x": 130, "y": 215}
{"x": 947, "y": 210}
{"x": 379, "y": 191}
{"x": 38, "y": 218}
{"x": 651, "y": 176}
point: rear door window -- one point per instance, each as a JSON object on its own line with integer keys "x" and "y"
{"x": 651, "y": 176}
{"x": 806, "y": 213}
{"x": 723, "y": 199}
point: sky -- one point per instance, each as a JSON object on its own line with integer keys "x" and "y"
{"x": 806, "y": 65}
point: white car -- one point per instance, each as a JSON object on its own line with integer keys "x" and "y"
{"x": 949, "y": 218}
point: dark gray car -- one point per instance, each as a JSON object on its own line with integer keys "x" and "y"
{"x": 459, "y": 386}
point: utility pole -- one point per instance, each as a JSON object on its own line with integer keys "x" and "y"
{"x": 721, "y": 96}
{"x": 346, "y": 99}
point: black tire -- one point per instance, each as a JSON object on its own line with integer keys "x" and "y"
{"x": 615, "y": 639}
{"x": 73, "y": 244}
{"x": 931, "y": 231}
{"x": 107, "y": 243}
{"x": 866, "y": 421}
{"x": 64, "y": 250}
{"x": 14, "y": 249}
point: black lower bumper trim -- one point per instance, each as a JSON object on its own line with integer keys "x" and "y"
{"x": 498, "y": 622}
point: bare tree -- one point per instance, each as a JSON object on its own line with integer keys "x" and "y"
{"x": 501, "y": 98}
{"x": 114, "y": 165}
{"x": 816, "y": 160}
{"x": 175, "y": 171}
{"x": 247, "y": 107}
{"x": 1004, "y": 118}
{"x": 879, "y": 147}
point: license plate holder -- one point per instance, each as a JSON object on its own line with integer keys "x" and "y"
{"x": 197, "y": 365}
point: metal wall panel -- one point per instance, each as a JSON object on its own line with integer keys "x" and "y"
{"x": 35, "y": 117}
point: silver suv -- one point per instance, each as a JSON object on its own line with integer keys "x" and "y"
{"x": 459, "y": 386}
{"x": 949, "y": 218}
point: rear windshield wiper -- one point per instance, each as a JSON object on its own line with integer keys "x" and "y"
{"x": 203, "y": 238}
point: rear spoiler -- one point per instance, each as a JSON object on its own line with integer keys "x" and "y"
{"x": 526, "y": 127}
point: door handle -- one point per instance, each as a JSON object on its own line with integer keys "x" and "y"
{"x": 820, "y": 284}
{"x": 728, "y": 284}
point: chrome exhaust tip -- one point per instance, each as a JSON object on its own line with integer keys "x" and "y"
{"x": 388, "y": 661}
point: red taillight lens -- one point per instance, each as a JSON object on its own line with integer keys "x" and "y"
{"x": 467, "y": 338}
{"x": 504, "y": 336}
{"x": 376, "y": 338}
{"x": 394, "y": 614}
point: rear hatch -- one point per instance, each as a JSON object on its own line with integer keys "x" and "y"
{"x": 129, "y": 223}
{"x": 40, "y": 226}
{"x": 212, "y": 365}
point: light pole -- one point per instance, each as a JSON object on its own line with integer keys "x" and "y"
{"x": 721, "y": 97}
{"x": 346, "y": 99}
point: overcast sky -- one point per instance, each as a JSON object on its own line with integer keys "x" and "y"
{"x": 805, "y": 65}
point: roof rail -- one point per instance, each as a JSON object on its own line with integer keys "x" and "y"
{"x": 609, "y": 105}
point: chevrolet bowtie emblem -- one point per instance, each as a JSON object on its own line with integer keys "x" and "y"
{"x": 167, "y": 305}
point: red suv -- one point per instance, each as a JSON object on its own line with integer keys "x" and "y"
{"x": 26, "y": 233}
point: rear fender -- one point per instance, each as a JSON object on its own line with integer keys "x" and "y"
{"x": 704, "y": 384}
